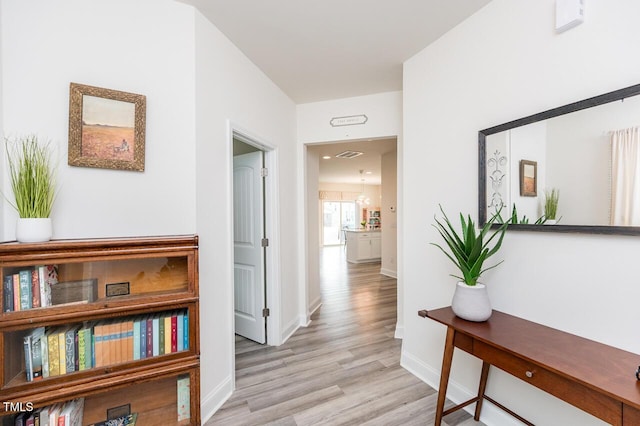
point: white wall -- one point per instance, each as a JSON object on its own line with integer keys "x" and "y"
{"x": 313, "y": 298}
{"x": 229, "y": 88}
{"x": 389, "y": 216}
{"x": 195, "y": 81}
{"x": 119, "y": 45}
{"x": 503, "y": 63}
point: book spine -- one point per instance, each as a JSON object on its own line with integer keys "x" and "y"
{"x": 82, "y": 350}
{"x": 156, "y": 335}
{"x": 143, "y": 338}
{"x": 28, "y": 362}
{"x": 25, "y": 290}
{"x": 136, "y": 339}
{"x": 36, "y": 354}
{"x": 76, "y": 351}
{"x": 69, "y": 342}
{"x": 16, "y": 292}
{"x": 129, "y": 341}
{"x": 51, "y": 278}
{"x": 161, "y": 336}
{"x": 35, "y": 289}
{"x": 174, "y": 333}
{"x": 149, "y": 337}
{"x": 185, "y": 319}
{"x": 62, "y": 351}
{"x": 8, "y": 293}
{"x": 184, "y": 398}
{"x": 88, "y": 338}
{"x": 98, "y": 359}
{"x": 54, "y": 354}
{"x": 43, "y": 284}
{"x": 180, "y": 340}
{"x": 44, "y": 345}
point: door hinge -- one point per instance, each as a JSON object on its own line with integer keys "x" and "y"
{"x": 266, "y": 312}
{"x": 264, "y": 172}
{"x": 265, "y": 242}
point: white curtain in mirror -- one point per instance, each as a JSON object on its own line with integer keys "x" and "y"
{"x": 625, "y": 177}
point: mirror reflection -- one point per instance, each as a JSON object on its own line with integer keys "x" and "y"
{"x": 586, "y": 154}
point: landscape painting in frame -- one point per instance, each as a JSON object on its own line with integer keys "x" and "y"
{"x": 528, "y": 178}
{"x": 106, "y": 128}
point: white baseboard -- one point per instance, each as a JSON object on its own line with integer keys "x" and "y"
{"x": 389, "y": 273}
{"x": 491, "y": 415}
{"x": 212, "y": 402}
{"x": 399, "y": 334}
{"x": 288, "y": 331}
{"x": 314, "y": 306}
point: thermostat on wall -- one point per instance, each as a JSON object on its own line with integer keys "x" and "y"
{"x": 569, "y": 13}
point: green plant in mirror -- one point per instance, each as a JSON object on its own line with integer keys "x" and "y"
{"x": 551, "y": 199}
{"x": 470, "y": 248}
{"x": 32, "y": 176}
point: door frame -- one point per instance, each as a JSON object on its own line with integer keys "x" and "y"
{"x": 272, "y": 230}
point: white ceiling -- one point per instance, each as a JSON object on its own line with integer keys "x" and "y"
{"x": 329, "y": 49}
{"x": 317, "y": 50}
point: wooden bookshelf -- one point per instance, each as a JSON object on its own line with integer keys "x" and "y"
{"x": 138, "y": 280}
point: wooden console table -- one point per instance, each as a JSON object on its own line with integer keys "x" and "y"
{"x": 594, "y": 377}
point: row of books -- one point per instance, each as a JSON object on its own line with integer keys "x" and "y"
{"x": 69, "y": 413}
{"x": 56, "y": 351}
{"x": 29, "y": 288}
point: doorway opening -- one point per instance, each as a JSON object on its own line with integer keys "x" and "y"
{"x": 255, "y": 250}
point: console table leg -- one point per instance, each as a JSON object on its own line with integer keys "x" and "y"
{"x": 481, "y": 388}
{"x": 444, "y": 374}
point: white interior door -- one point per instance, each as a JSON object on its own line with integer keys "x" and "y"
{"x": 248, "y": 231}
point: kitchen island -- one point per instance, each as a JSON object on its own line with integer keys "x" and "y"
{"x": 363, "y": 245}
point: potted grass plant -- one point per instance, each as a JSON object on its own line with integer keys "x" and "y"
{"x": 468, "y": 250}
{"x": 32, "y": 179}
{"x": 551, "y": 199}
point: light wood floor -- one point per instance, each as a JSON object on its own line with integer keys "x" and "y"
{"x": 341, "y": 370}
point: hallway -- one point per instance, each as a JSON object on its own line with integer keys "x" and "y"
{"x": 341, "y": 370}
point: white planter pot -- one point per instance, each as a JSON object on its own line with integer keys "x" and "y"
{"x": 33, "y": 230}
{"x": 471, "y": 302}
{"x": 551, "y": 222}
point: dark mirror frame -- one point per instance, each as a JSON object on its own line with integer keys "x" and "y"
{"x": 555, "y": 112}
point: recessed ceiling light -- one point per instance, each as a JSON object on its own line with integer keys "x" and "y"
{"x": 326, "y": 157}
{"x": 369, "y": 173}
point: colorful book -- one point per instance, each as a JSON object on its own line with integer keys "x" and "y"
{"x": 98, "y": 352}
{"x": 37, "y": 336}
{"x": 62, "y": 350}
{"x": 48, "y": 275}
{"x": 149, "y": 337}
{"x": 128, "y": 420}
{"x": 185, "y": 320}
{"x": 70, "y": 348}
{"x": 180, "y": 322}
{"x": 156, "y": 335}
{"x": 184, "y": 398}
{"x": 54, "y": 352}
{"x": 35, "y": 289}
{"x": 7, "y": 290}
{"x": 16, "y": 292}
{"x": 28, "y": 364}
{"x": 25, "y": 290}
{"x": 143, "y": 337}
{"x": 136, "y": 339}
{"x": 44, "y": 351}
{"x": 128, "y": 339}
{"x": 174, "y": 332}
{"x": 161, "y": 335}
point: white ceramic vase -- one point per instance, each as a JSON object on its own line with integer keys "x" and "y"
{"x": 33, "y": 230}
{"x": 471, "y": 302}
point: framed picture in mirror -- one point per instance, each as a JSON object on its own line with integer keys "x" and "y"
{"x": 528, "y": 178}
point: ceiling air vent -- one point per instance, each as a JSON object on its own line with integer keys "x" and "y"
{"x": 349, "y": 154}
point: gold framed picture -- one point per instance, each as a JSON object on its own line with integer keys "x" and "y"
{"x": 106, "y": 128}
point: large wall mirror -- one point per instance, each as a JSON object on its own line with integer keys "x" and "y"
{"x": 587, "y": 151}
